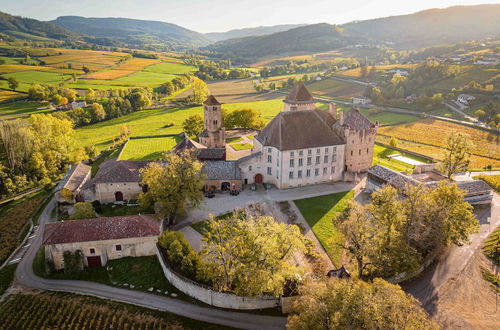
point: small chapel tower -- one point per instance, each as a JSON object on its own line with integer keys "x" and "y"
{"x": 214, "y": 135}
{"x": 299, "y": 99}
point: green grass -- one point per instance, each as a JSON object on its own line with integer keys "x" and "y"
{"x": 6, "y": 277}
{"x": 26, "y": 78}
{"x": 203, "y": 226}
{"x": 148, "y": 148}
{"x": 141, "y": 272}
{"x": 492, "y": 278}
{"x": 21, "y": 110}
{"x": 385, "y": 117}
{"x": 146, "y": 78}
{"x": 491, "y": 248}
{"x": 381, "y": 157}
{"x": 152, "y": 122}
{"x": 241, "y": 146}
{"x": 234, "y": 139}
{"x": 170, "y": 68}
{"x": 114, "y": 210}
{"x": 319, "y": 213}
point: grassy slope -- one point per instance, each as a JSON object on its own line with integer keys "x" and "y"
{"x": 21, "y": 109}
{"x": 148, "y": 149}
{"x": 319, "y": 213}
{"x": 152, "y": 122}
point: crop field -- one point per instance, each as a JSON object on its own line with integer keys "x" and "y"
{"x": 336, "y": 88}
{"x": 124, "y": 69}
{"x": 82, "y": 56}
{"x": 486, "y": 144}
{"x": 26, "y": 78}
{"x": 12, "y": 68}
{"x": 21, "y": 109}
{"x": 492, "y": 180}
{"x": 153, "y": 122}
{"x": 479, "y": 73}
{"x": 148, "y": 148}
{"x": 10, "y": 96}
{"x": 231, "y": 87}
{"x": 356, "y": 72}
{"x": 170, "y": 68}
{"x": 146, "y": 78}
{"x": 69, "y": 311}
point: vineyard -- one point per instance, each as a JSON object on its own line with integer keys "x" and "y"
{"x": 68, "y": 311}
{"x": 124, "y": 69}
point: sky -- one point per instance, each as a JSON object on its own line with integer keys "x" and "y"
{"x": 222, "y": 15}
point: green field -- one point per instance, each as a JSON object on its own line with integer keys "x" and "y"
{"x": 380, "y": 157}
{"x": 21, "y": 109}
{"x": 336, "y": 88}
{"x": 146, "y": 78}
{"x": 479, "y": 73}
{"x": 148, "y": 148}
{"x": 170, "y": 68}
{"x": 153, "y": 122}
{"x": 26, "y": 78}
{"x": 319, "y": 213}
{"x": 241, "y": 146}
{"x": 385, "y": 117}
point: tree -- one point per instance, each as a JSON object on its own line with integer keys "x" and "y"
{"x": 193, "y": 125}
{"x": 250, "y": 256}
{"x": 173, "y": 184}
{"x": 393, "y": 142}
{"x": 66, "y": 194}
{"x": 85, "y": 69}
{"x": 354, "y": 304}
{"x": 200, "y": 91}
{"x": 457, "y": 156}
{"x": 243, "y": 118}
{"x": 83, "y": 210}
{"x": 97, "y": 112}
{"x": 125, "y": 132}
{"x": 13, "y": 83}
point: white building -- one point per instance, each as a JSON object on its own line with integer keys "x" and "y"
{"x": 361, "y": 100}
{"x": 465, "y": 98}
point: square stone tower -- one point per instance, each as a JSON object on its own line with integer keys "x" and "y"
{"x": 214, "y": 135}
{"x": 299, "y": 99}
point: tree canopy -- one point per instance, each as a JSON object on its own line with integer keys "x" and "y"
{"x": 457, "y": 155}
{"x": 193, "y": 125}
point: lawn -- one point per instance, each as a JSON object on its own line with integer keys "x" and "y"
{"x": 170, "y": 68}
{"x": 385, "y": 117}
{"x": 123, "y": 69}
{"x": 147, "y": 78}
{"x": 153, "y": 122}
{"x": 319, "y": 213}
{"x": 336, "y": 88}
{"x": 26, "y": 78}
{"x": 148, "y": 148}
{"x": 231, "y": 87}
{"x": 241, "y": 146}
{"x": 21, "y": 109}
{"x": 234, "y": 139}
{"x": 380, "y": 157}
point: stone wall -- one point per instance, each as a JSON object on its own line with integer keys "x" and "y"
{"x": 105, "y": 192}
{"x": 210, "y": 296}
{"x": 359, "y": 149}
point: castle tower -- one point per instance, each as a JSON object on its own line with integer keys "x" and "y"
{"x": 214, "y": 135}
{"x": 299, "y": 99}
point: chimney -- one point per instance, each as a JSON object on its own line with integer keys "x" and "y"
{"x": 340, "y": 116}
{"x": 332, "y": 109}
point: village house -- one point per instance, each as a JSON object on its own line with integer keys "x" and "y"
{"x": 73, "y": 181}
{"x": 465, "y": 98}
{"x": 77, "y": 104}
{"x": 361, "y": 100}
{"x": 101, "y": 239}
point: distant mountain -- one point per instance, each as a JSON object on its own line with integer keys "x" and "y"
{"x": 313, "y": 38}
{"x": 422, "y": 29}
{"x": 248, "y": 32}
{"x": 32, "y": 29}
{"x": 135, "y": 33}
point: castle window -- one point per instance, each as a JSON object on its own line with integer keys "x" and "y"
{"x": 309, "y": 152}
{"x": 352, "y": 152}
{"x": 277, "y": 174}
{"x": 118, "y": 247}
{"x": 290, "y": 175}
{"x": 367, "y": 151}
{"x": 269, "y": 171}
{"x": 250, "y": 167}
{"x": 333, "y": 169}
{"x": 326, "y": 159}
{"x": 292, "y": 162}
{"x": 293, "y": 107}
{"x": 359, "y": 152}
{"x": 301, "y": 153}
{"x": 318, "y": 159}
{"x": 269, "y": 150}
{"x": 300, "y": 162}
{"x": 316, "y": 171}
{"x": 299, "y": 174}
{"x": 292, "y": 154}
{"x": 326, "y": 150}
{"x": 334, "y": 158}
{"x": 318, "y": 151}
{"x": 325, "y": 171}
{"x": 92, "y": 251}
{"x": 269, "y": 158}
{"x": 334, "y": 149}
{"x": 309, "y": 160}
{"x": 308, "y": 173}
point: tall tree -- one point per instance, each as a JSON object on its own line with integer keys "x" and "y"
{"x": 354, "y": 304}
{"x": 243, "y": 118}
{"x": 97, "y": 112}
{"x": 13, "y": 83}
{"x": 82, "y": 211}
{"x": 173, "y": 184}
{"x": 457, "y": 156}
{"x": 200, "y": 90}
{"x": 193, "y": 125}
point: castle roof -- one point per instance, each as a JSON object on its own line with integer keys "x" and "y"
{"x": 187, "y": 144}
{"x": 299, "y": 94}
{"x": 211, "y": 100}
{"x": 355, "y": 120}
{"x": 302, "y": 129}
{"x": 221, "y": 170}
{"x": 119, "y": 171}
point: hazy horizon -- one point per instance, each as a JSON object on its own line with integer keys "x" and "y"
{"x": 222, "y": 15}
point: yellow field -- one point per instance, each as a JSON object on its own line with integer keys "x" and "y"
{"x": 11, "y": 68}
{"x": 356, "y": 73}
{"x": 124, "y": 69}
{"x": 83, "y": 56}
{"x": 288, "y": 58}
{"x": 433, "y": 133}
{"x": 9, "y": 95}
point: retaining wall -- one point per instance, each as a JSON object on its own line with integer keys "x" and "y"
{"x": 210, "y": 296}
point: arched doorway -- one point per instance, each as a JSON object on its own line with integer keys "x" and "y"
{"x": 225, "y": 186}
{"x": 258, "y": 178}
{"x": 118, "y": 196}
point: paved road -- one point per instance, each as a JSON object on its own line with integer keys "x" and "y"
{"x": 26, "y": 278}
{"x": 455, "y": 259}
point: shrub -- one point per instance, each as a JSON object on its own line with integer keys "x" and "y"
{"x": 179, "y": 253}
{"x": 82, "y": 211}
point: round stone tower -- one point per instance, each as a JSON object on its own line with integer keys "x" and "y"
{"x": 214, "y": 135}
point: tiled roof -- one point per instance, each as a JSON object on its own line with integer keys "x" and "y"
{"x": 248, "y": 157}
{"x": 187, "y": 144}
{"x": 74, "y": 177}
{"x": 221, "y": 170}
{"x": 299, "y": 94}
{"x": 119, "y": 171}
{"x": 293, "y": 130}
{"x": 100, "y": 229}
{"x": 211, "y": 100}
{"x": 204, "y": 133}
{"x": 476, "y": 186}
{"x": 395, "y": 179}
{"x": 212, "y": 154}
{"x": 355, "y": 120}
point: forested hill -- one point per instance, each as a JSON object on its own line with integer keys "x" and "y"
{"x": 430, "y": 27}
{"x": 28, "y": 28}
{"x": 248, "y": 32}
{"x": 426, "y": 28}
{"x": 136, "y": 33}
{"x": 313, "y": 38}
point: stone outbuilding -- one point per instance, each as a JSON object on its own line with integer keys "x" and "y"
{"x": 222, "y": 175}
{"x": 101, "y": 239}
{"x": 74, "y": 180}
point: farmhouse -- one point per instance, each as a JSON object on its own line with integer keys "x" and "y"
{"x": 361, "y": 100}
{"x": 101, "y": 239}
{"x": 476, "y": 191}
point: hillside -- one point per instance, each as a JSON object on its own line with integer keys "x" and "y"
{"x": 313, "y": 38}
{"x": 32, "y": 29}
{"x": 135, "y": 33}
{"x": 425, "y": 28}
{"x": 249, "y": 32}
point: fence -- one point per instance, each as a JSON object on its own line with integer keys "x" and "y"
{"x": 210, "y": 296}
